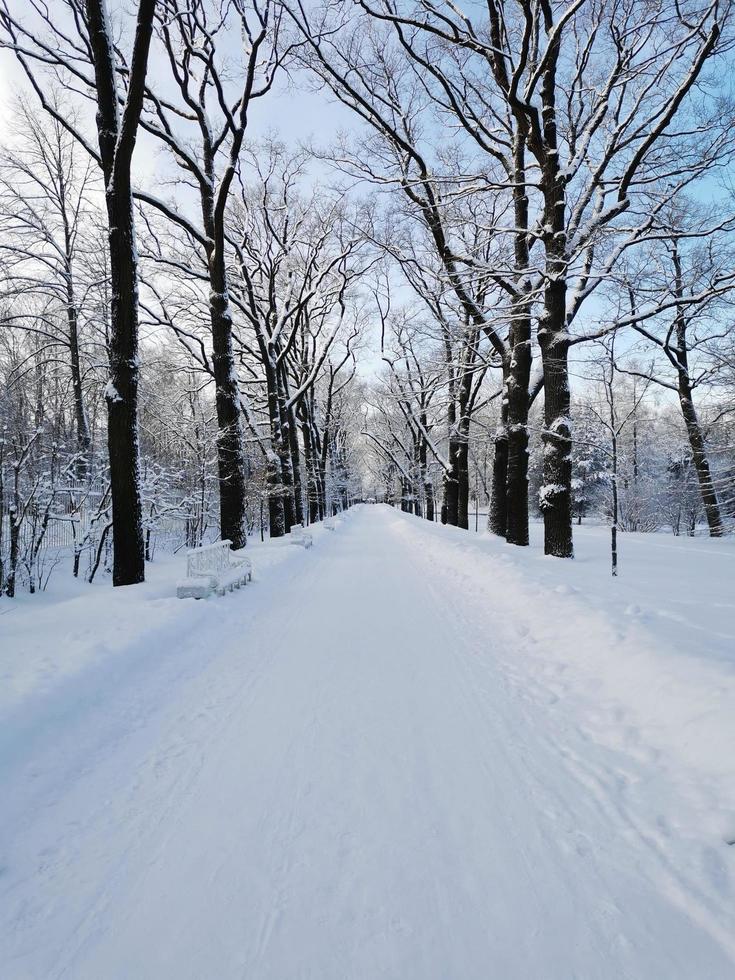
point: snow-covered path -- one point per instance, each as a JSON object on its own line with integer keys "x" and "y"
{"x": 336, "y": 778}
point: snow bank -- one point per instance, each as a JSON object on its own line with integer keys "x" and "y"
{"x": 49, "y": 638}
{"x": 641, "y": 668}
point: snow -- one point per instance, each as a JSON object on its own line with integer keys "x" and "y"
{"x": 49, "y": 638}
{"x": 409, "y": 752}
{"x": 111, "y": 393}
{"x": 548, "y": 492}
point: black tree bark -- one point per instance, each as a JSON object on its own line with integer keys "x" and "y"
{"x": 116, "y": 136}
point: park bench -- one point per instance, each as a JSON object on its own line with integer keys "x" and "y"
{"x": 297, "y": 535}
{"x": 332, "y": 523}
{"x": 213, "y": 568}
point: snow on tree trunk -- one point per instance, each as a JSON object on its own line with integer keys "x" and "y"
{"x": 230, "y": 447}
{"x": 121, "y": 393}
{"x": 699, "y": 457}
{"x": 116, "y": 137}
{"x": 497, "y": 518}
{"x": 556, "y": 493}
{"x": 519, "y": 367}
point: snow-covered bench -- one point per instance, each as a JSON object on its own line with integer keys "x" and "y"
{"x": 213, "y": 568}
{"x": 297, "y": 535}
{"x": 332, "y": 523}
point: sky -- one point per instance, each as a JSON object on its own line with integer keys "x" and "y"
{"x": 294, "y": 113}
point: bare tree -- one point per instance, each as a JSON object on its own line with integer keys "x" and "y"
{"x": 91, "y": 43}
{"x": 613, "y": 420}
{"x": 675, "y": 297}
{"x": 44, "y": 200}
{"x": 203, "y": 125}
{"x": 297, "y": 261}
{"x": 574, "y": 110}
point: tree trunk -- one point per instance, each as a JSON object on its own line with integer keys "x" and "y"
{"x": 462, "y": 448}
{"x": 282, "y": 445}
{"x": 497, "y": 517}
{"x": 429, "y": 495}
{"x": 614, "y": 527}
{"x": 279, "y": 520}
{"x": 519, "y": 366}
{"x": 116, "y": 139}
{"x": 691, "y": 421}
{"x": 84, "y": 437}
{"x": 2, "y": 522}
{"x": 276, "y": 517}
{"x": 517, "y": 480}
{"x": 699, "y": 457}
{"x": 293, "y": 439}
{"x": 519, "y": 374}
{"x": 230, "y": 446}
{"x": 322, "y": 486}
{"x": 14, "y": 549}
{"x": 556, "y": 493}
{"x": 312, "y": 488}
{"x": 122, "y": 390}
{"x": 425, "y": 481}
{"x": 450, "y": 510}
{"x": 289, "y": 502}
{"x": 463, "y": 485}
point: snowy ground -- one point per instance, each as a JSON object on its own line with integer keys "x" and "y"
{"x": 407, "y": 753}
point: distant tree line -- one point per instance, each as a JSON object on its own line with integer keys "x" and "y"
{"x": 531, "y": 217}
